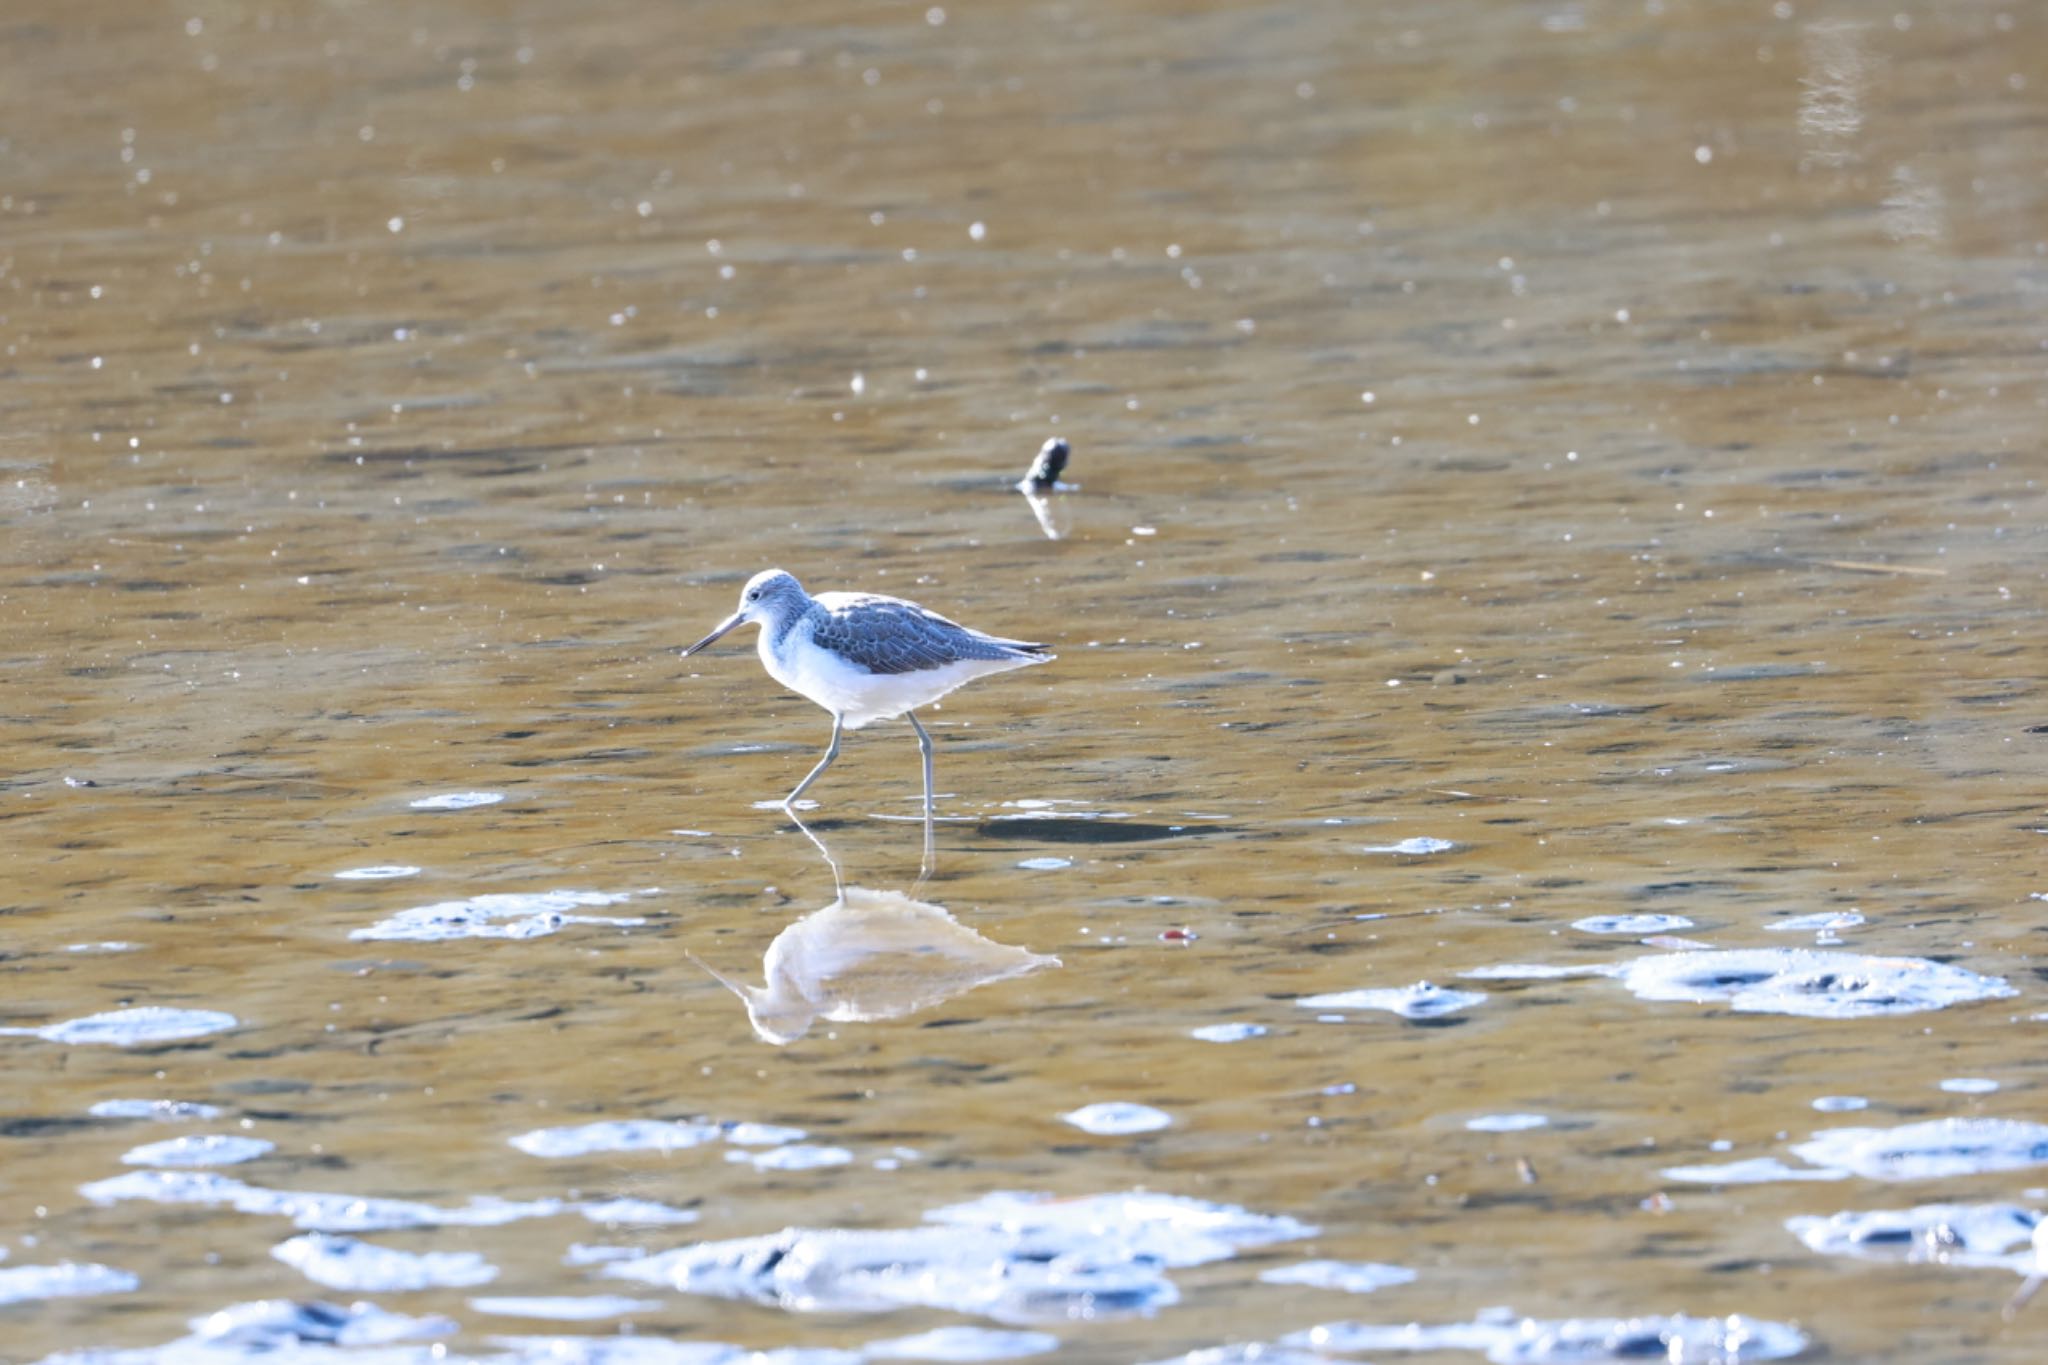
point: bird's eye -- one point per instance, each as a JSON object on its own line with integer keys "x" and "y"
{"x": 754, "y": 596}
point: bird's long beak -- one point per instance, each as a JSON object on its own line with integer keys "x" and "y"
{"x": 736, "y": 619}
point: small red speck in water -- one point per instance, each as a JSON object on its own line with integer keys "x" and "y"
{"x": 1178, "y": 936}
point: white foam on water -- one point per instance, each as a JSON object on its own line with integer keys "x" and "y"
{"x": 1246, "y": 1353}
{"x": 1807, "y": 982}
{"x": 1018, "y": 1259}
{"x": 284, "y": 1330}
{"x": 138, "y": 1027}
{"x": 564, "y": 1307}
{"x": 1422, "y": 1000}
{"x": 1413, "y": 848}
{"x": 1227, "y": 1033}
{"x": 112, "y": 945}
{"x": 1969, "y": 1085}
{"x": 963, "y": 1344}
{"x": 1840, "y": 1104}
{"x": 311, "y": 1209}
{"x": 366, "y": 1268}
{"x": 1353, "y": 1277}
{"x": 1045, "y": 865}
{"x": 162, "y": 1111}
{"x": 456, "y": 800}
{"x": 615, "y": 1135}
{"x": 624, "y": 1350}
{"x": 761, "y": 1134}
{"x": 802, "y": 1156}
{"x": 1631, "y": 924}
{"x": 1757, "y": 1171}
{"x": 65, "y": 1280}
{"x": 1945, "y": 1234}
{"x": 1936, "y": 1149}
{"x": 1506, "y": 1123}
{"x": 1117, "y": 1118}
{"x": 1046, "y": 811}
{"x": 199, "y": 1149}
{"x": 381, "y": 872}
{"x": 640, "y": 1212}
{"x": 1176, "y": 1231}
{"x": 1826, "y": 922}
{"x": 513, "y": 914}
{"x": 1572, "y": 1341}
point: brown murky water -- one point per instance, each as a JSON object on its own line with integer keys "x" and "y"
{"x": 1604, "y": 437}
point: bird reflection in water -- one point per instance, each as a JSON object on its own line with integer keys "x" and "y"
{"x": 866, "y": 957}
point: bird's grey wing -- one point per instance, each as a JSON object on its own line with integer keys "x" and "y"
{"x": 887, "y": 635}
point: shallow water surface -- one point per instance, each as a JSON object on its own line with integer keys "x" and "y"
{"x": 1548, "y": 597}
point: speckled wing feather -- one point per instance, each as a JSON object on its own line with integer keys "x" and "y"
{"x": 889, "y": 635}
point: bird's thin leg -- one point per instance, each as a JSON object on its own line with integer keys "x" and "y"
{"x": 831, "y": 752}
{"x": 924, "y": 744}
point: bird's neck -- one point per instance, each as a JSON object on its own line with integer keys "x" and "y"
{"x": 777, "y": 635}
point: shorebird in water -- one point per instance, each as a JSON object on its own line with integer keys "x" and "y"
{"x": 865, "y": 657}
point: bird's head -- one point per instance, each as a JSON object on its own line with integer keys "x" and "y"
{"x": 769, "y": 597}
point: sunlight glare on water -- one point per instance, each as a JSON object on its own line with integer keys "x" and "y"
{"x": 1529, "y": 850}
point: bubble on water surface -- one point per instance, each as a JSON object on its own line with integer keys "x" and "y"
{"x": 1506, "y": 1123}
{"x": 138, "y": 1027}
{"x": 1631, "y": 924}
{"x": 1572, "y": 1341}
{"x": 1117, "y": 1118}
{"x": 382, "y": 872}
{"x": 518, "y": 914}
{"x": 1951, "y": 1234}
{"x": 1227, "y": 1033}
{"x": 1045, "y": 865}
{"x": 803, "y": 1156}
{"x": 1419, "y": 846}
{"x": 456, "y": 800}
{"x": 1419, "y": 1001}
{"x": 1015, "y": 1258}
{"x": 1969, "y": 1085}
{"x": 1840, "y": 1104}
{"x": 615, "y": 1135}
{"x": 1807, "y": 982}
{"x": 163, "y": 1111}
{"x": 1761, "y": 1170}
{"x": 65, "y": 1280}
{"x": 311, "y": 1209}
{"x": 199, "y": 1149}
{"x": 565, "y": 1307}
{"x": 365, "y": 1268}
{"x": 1936, "y": 1149}
{"x": 1353, "y": 1277}
{"x": 961, "y": 1344}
